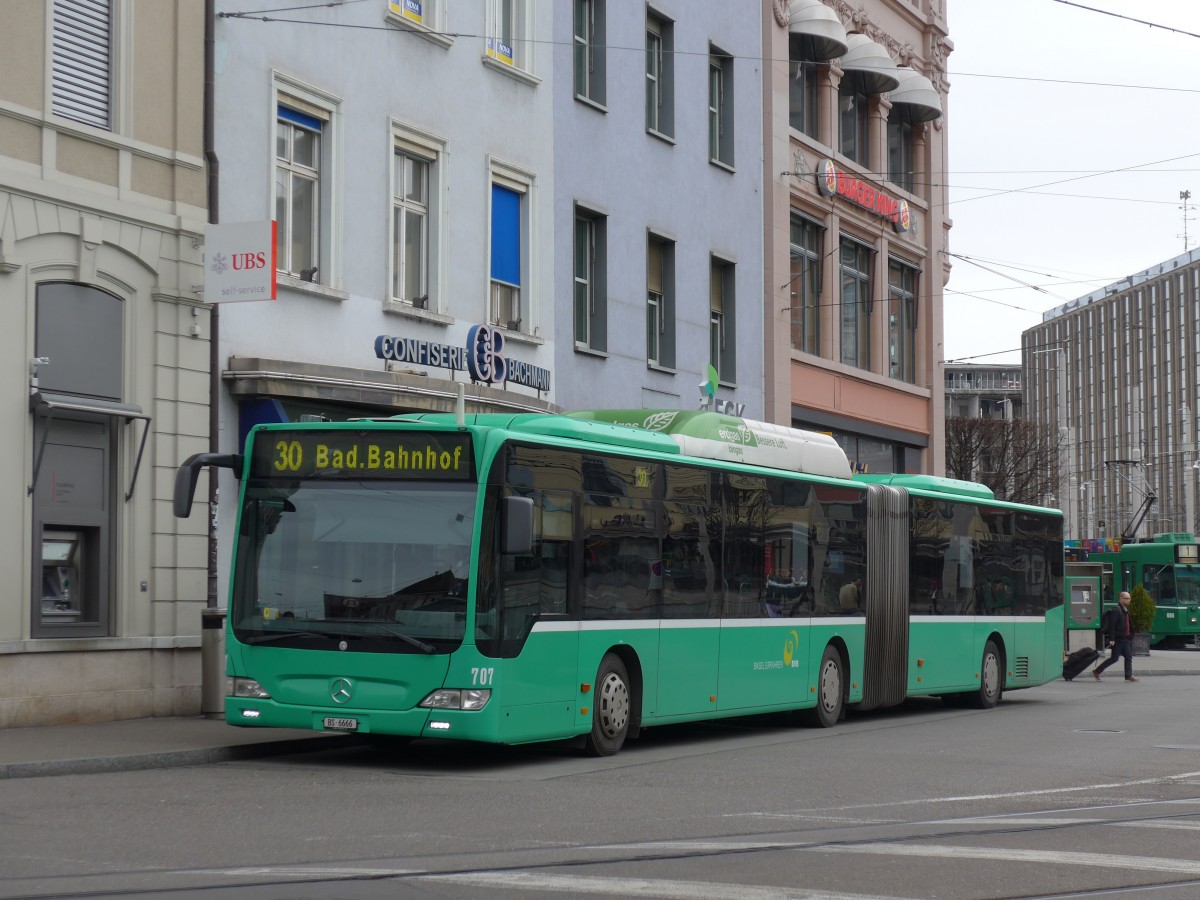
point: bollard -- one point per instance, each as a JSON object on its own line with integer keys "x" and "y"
{"x": 212, "y": 663}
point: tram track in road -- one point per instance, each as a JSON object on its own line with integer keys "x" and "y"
{"x": 602, "y": 869}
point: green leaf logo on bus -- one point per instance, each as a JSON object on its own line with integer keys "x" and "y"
{"x": 789, "y": 649}
{"x": 660, "y": 421}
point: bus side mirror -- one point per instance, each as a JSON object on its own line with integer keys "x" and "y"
{"x": 185, "y": 477}
{"x": 517, "y": 539}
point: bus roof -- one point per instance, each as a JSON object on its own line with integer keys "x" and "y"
{"x": 932, "y": 483}
{"x": 710, "y": 435}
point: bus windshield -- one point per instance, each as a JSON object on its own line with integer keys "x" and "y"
{"x": 378, "y": 565}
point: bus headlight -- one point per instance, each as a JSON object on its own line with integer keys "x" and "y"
{"x": 248, "y": 687}
{"x": 449, "y": 698}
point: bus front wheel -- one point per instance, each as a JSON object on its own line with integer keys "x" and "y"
{"x": 612, "y": 708}
{"x": 830, "y": 691}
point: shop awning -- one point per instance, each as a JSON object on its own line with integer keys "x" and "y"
{"x": 819, "y": 28}
{"x": 870, "y": 60}
{"x": 47, "y": 404}
{"x": 919, "y": 94}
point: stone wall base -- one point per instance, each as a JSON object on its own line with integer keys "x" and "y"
{"x": 98, "y": 686}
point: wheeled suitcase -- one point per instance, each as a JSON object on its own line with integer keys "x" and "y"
{"x": 1078, "y": 661}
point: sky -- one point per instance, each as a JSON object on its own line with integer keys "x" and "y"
{"x": 1072, "y": 134}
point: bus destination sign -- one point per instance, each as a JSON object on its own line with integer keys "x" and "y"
{"x": 399, "y": 455}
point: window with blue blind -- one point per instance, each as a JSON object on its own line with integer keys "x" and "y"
{"x": 506, "y": 258}
{"x": 298, "y": 168}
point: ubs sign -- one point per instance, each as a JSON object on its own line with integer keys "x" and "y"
{"x": 482, "y": 357}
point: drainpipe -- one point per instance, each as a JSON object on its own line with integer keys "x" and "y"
{"x": 212, "y": 618}
{"x": 214, "y": 344}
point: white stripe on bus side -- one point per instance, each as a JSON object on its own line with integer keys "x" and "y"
{"x": 561, "y": 625}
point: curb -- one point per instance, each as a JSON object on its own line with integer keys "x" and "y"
{"x": 169, "y": 759}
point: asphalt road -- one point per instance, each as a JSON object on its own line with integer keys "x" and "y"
{"x": 1068, "y": 790}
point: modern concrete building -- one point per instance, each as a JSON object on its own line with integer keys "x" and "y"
{"x": 102, "y": 208}
{"x": 1119, "y": 369}
{"x": 658, "y": 204}
{"x": 855, "y": 213}
{"x": 982, "y": 391}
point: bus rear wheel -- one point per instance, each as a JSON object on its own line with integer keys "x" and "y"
{"x": 612, "y": 708}
{"x": 991, "y": 679}
{"x": 830, "y": 691}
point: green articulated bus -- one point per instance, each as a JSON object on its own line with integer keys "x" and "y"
{"x": 530, "y": 577}
{"x": 1168, "y": 566}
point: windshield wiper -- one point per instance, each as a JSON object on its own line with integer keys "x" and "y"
{"x": 407, "y": 638}
{"x": 268, "y": 637}
{"x": 282, "y": 635}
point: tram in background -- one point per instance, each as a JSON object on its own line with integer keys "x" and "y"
{"x": 1168, "y": 566}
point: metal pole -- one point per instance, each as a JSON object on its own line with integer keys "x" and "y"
{"x": 1066, "y": 488}
{"x": 214, "y": 315}
{"x": 212, "y": 619}
{"x": 1189, "y": 475}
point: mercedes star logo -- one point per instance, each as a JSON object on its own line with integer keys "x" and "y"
{"x": 341, "y": 690}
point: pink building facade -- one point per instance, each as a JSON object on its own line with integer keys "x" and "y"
{"x": 857, "y": 225}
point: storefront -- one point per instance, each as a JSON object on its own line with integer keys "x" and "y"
{"x": 414, "y": 375}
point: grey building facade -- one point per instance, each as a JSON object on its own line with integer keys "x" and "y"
{"x": 658, "y": 236}
{"x": 982, "y": 391}
{"x": 1118, "y": 369}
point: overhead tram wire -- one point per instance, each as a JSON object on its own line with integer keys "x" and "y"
{"x": 1106, "y": 12}
{"x": 1033, "y": 187}
{"x": 1036, "y": 312}
{"x": 1006, "y": 264}
{"x": 1026, "y": 284}
{"x": 257, "y": 15}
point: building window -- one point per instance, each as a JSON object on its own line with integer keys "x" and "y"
{"x": 902, "y": 321}
{"x": 855, "y": 306}
{"x": 804, "y": 296}
{"x": 416, "y": 233}
{"x": 720, "y": 107}
{"x": 591, "y": 301}
{"x": 298, "y": 207}
{"x": 900, "y": 135}
{"x": 854, "y": 120}
{"x": 511, "y": 294}
{"x": 589, "y": 50}
{"x": 804, "y": 95}
{"x": 427, "y": 17}
{"x": 660, "y": 77}
{"x": 721, "y": 319}
{"x": 410, "y": 229}
{"x": 82, "y": 77}
{"x": 506, "y": 258}
{"x": 508, "y": 39}
{"x": 660, "y": 302}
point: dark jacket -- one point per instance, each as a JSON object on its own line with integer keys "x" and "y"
{"x": 1117, "y": 623}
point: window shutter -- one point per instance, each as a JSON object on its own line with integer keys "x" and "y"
{"x": 82, "y": 81}
{"x": 506, "y": 235}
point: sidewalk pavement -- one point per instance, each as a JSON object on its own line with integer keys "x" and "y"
{"x": 134, "y": 744}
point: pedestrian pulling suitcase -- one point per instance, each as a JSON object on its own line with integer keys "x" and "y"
{"x": 1078, "y": 661}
